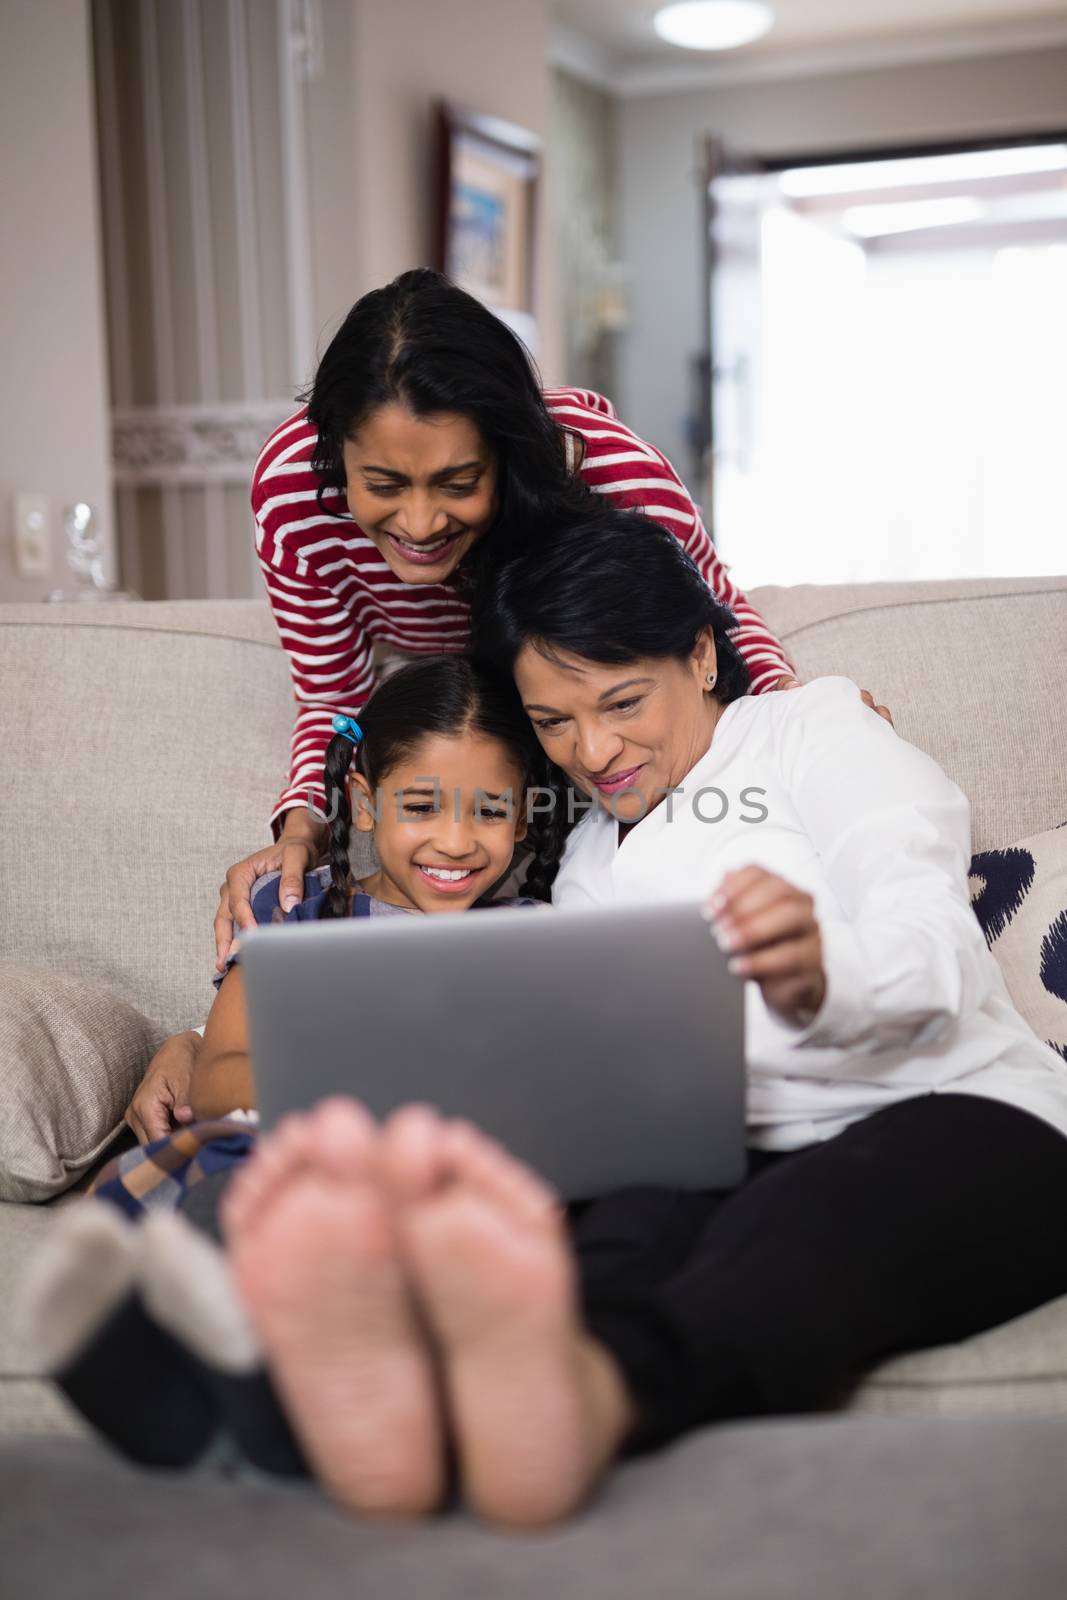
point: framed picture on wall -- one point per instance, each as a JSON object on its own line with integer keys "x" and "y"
{"x": 488, "y": 176}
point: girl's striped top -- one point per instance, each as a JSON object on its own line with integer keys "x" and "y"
{"x": 334, "y": 596}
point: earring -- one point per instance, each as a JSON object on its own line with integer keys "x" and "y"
{"x": 712, "y": 679}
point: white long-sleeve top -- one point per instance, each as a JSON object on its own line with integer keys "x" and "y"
{"x": 814, "y": 786}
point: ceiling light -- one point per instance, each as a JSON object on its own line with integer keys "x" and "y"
{"x": 713, "y": 24}
{"x": 870, "y": 222}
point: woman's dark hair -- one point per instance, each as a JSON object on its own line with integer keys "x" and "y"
{"x": 431, "y": 347}
{"x": 441, "y": 695}
{"x": 611, "y": 588}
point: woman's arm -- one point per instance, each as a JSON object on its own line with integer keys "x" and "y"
{"x": 331, "y": 665}
{"x": 329, "y": 653}
{"x": 330, "y": 662}
{"x": 893, "y": 834}
{"x": 222, "y": 1076}
{"x": 768, "y": 665}
{"x": 332, "y": 672}
{"x": 331, "y": 669}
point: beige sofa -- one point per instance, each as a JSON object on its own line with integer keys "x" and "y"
{"x": 144, "y": 743}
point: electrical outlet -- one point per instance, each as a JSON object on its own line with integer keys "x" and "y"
{"x": 33, "y": 535}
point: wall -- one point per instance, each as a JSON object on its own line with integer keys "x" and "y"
{"x": 53, "y": 436}
{"x": 264, "y": 164}
{"x": 206, "y": 349}
{"x": 661, "y": 202}
{"x": 583, "y": 158}
{"x": 490, "y": 55}
{"x": 335, "y": 216}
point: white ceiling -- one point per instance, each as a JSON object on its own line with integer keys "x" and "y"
{"x": 616, "y": 36}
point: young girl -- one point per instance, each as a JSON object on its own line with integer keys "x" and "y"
{"x": 436, "y": 775}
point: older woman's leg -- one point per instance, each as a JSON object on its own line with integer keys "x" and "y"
{"x": 921, "y": 1225}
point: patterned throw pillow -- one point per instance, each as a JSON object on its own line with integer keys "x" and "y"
{"x": 1020, "y": 898}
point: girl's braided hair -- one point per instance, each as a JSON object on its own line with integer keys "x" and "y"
{"x": 555, "y": 812}
{"x": 440, "y": 695}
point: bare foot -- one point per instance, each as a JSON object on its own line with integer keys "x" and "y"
{"x": 312, "y": 1245}
{"x": 538, "y": 1409}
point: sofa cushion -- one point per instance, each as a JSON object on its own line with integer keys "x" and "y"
{"x": 972, "y": 670}
{"x": 792, "y": 1510}
{"x": 150, "y": 740}
{"x": 1018, "y": 1368}
{"x": 194, "y": 699}
{"x": 1020, "y": 898}
{"x": 71, "y": 1056}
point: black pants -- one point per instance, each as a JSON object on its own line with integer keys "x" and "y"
{"x": 922, "y": 1224}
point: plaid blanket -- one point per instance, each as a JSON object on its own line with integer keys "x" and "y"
{"x": 158, "y": 1176}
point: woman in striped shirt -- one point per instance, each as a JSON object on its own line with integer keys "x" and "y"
{"x": 425, "y": 449}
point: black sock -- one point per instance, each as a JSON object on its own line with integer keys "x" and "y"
{"x": 141, "y": 1389}
{"x": 250, "y": 1412}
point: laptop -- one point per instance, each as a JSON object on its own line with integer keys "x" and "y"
{"x": 603, "y": 1047}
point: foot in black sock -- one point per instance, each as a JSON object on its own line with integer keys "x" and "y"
{"x": 188, "y": 1290}
{"x": 126, "y": 1375}
{"x": 253, "y": 1417}
{"x": 142, "y": 1390}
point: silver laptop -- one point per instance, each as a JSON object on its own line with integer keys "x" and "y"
{"x": 602, "y": 1047}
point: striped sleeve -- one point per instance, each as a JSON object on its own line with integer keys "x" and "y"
{"x": 332, "y": 669}
{"x": 635, "y": 474}
{"x": 764, "y": 655}
{"x": 330, "y": 659}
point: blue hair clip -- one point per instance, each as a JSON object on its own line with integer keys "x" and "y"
{"x": 349, "y": 727}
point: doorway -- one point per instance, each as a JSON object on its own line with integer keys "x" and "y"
{"x": 888, "y": 351}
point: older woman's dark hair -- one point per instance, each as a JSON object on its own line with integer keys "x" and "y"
{"x": 427, "y": 345}
{"x": 612, "y": 588}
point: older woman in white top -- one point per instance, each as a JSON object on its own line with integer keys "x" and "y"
{"x": 839, "y": 854}
{"x": 908, "y": 1167}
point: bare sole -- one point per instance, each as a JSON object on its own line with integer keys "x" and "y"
{"x": 317, "y": 1267}
{"x": 533, "y": 1407}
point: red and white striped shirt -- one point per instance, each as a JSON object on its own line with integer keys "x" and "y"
{"x": 334, "y": 596}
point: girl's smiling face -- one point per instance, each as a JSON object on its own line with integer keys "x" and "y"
{"x": 624, "y": 734}
{"x": 423, "y": 489}
{"x": 449, "y": 817}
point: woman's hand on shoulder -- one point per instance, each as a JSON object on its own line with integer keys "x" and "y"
{"x": 883, "y": 711}
{"x": 769, "y": 930}
{"x": 295, "y": 853}
{"x": 790, "y": 682}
